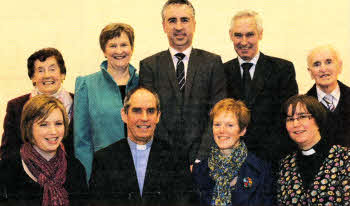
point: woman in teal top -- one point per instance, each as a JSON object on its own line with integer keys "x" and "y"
{"x": 99, "y": 96}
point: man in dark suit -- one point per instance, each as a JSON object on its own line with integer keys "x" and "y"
{"x": 140, "y": 169}
{"x": 189, "y": 81}
{"x": 324, "y": 65}
{"x": 263, "y": 82}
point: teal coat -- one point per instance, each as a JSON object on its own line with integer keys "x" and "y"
{"x": 97, "y": 119}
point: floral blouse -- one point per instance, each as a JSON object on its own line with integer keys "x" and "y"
{"x": 331, "y": 185}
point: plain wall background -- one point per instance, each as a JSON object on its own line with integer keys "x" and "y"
{"x": 291, "y": 29}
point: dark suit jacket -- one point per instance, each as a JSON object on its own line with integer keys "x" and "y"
{"x": 272, "y": 84}
{"x": 11, "y": 138}
{"x": 260, "y": 192}
{"x": 338, "y": 120}
{"x": 185, "y": 116}
{"x": 114, "y": 180}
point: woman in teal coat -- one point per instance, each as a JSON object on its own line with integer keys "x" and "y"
{"x": 99, "y": 96}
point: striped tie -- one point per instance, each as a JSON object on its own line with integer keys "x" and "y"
{"x": 328, "y": 99}
{"x": 180, "y": 70}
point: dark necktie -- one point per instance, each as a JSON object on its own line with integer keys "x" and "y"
{"x": 246, "y": 79}
{"x": 180, "y": 70}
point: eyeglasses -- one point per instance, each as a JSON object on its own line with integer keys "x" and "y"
{"x": 301, "y": 118}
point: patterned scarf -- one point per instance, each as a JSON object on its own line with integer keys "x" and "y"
{"x": 62, "y": 95}
{"x": 51, "y": 175}
{"x": 223, "y": 169}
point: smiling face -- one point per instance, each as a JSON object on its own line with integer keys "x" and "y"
{"x": 245, "y": 37}
{"x": 48, "y": 134}
{"x": 324, "y": 67}
{"x": 303, "y": 130}
{"x": 118, "y": 52}
{"x": 226, "y": 131}
{"x": 47, "y": 76}
{"x": 179, "y": 25}
{"x": 142, "y": 116}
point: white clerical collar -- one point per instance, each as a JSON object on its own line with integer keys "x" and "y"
{"x": 140, "y": 146}
{"x": 253, "y": 61}
{"x": 186, "y": 52}
{"x": 308, "y": 152}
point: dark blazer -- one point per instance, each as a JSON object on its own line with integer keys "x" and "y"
{"x": 338, "y": 120}
{"x": 17, "y": 188}
{"x": 11, "y": 138}
{"x": 259, "y": 193}
{"x": 185, "y": 116}
{"x": 273, "y": 83}
{"x": 114, "y": 180}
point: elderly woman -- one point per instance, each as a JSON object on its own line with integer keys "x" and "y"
{"x": 47, "y": 71}
{"x": 41, "y": 171}
{"x": 231, "y": 175}
{"x": 317, "y": 173}
{"x": 99, "y": 96}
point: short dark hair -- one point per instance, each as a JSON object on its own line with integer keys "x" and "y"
{"x": 39, "y": 108}
{"x": 313, "y": 106}
{"x": 172, "y": 2}
{"x": 42, "y": 55}
{"x": 131, "y": 92}
{"x": 115, "y": 30}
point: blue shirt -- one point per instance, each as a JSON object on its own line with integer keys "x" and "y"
{"x": 140, "y": 154}
{"x": 97, "y": 119}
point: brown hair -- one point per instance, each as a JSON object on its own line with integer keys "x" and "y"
{"x": 42, "y": 55}
{"x": 131, "y": 92}
{"x": 115, "y": 30}
{"x": 36, "y": 109}
{"x": 236, "y": 107}
{"x": 313, "y": 106}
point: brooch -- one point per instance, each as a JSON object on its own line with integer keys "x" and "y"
{"x": 247, "y": 182}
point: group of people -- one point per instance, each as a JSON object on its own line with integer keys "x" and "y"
{"x": 187, "y": 129}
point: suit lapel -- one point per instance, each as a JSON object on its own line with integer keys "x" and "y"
{"x": 166, "y": 63}
{"x": 236, "y": 78}
{"x": 128, "y": 160}
{"x": 194, "y": 64}
{"x": 262, "y": 72}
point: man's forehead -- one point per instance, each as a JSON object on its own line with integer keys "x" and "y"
{"x": 142, "y": 98}
{"x": 323, "y": 53}
{"x": 178, "y": 10}
{"x": 244, "y": 23}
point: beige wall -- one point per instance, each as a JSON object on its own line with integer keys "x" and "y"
{"x": 291, "y": 28}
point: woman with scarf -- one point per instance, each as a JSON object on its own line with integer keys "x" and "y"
{"x": 47, "y": 71}
{"x": 317, "y": 173}
{"x": 41, "y": 171}
{"x": 231, "y": 175}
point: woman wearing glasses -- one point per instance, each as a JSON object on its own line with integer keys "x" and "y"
{"x": 317, "y": 173}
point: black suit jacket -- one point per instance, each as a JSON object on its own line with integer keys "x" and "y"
{"x": 11, "y": 138}
{"x": 184, "y": 118}
{"x": 338, "y": 122}
{"x": 114, "y": 180}
{"x": 272, "y": 84}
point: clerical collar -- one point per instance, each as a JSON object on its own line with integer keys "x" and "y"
{"x": 320, "y": 148}
{"x": 308, "y": 152}
{"x": 135, "y": 146}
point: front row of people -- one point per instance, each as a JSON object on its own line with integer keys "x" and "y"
{"x": 143, "y": 169}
